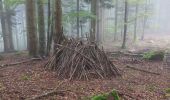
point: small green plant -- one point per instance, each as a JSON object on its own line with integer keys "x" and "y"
{"x": 106, "y": 96}
{"x": 150, "y": 88}
{"x": 154, "y": 55}
{"x": 2, "y": 87}
{"x": 100, "y": 97}
{"x": 167, "y": 90}
{"x": 115, "y": 95}
{"x": 25, "y": 77}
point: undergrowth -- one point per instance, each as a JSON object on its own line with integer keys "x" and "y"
{"x": 154, "y": 55}
{"x": 105, "y": 96}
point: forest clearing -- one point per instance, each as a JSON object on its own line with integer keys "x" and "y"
{"x": 84, "y": 50}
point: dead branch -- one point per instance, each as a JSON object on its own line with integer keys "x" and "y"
{"x": 50, "y": 93}
{"x": 123, "y": 94}
{"x": 17, "y": 63}
{"x": 142, "y": 70}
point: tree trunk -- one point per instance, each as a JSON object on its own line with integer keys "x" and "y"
{"x": 78, "y": 18}
{"x": 144, "y": 22}
{"x": 31, "y": 27}
{"x": 9, "y": 24}
{"x": 6, "y": 29}
{"x": 98, "y": 17}
{"x": 116, "y": 15}
{"x": 58, "y": 34}
{"x": 93, "y": 21}
{"x": 48, "y": 29}
{"x": 41, "y": 27}
{"x": 135, "y": 25}
{"x": 125, "y": 25}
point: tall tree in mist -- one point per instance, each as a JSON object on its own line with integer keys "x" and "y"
{"x": 125, "y": 24}
{"x": 49, "y": 28}
{"x": 58, "y": 34}
{"x": 93, "y": 21}
{"x": 78, "y": 18}
{"x": 144, "y": 20}
{"x": 31, "y": 27}
{"x": 136, "y": 20}
{"x": 6, "y": 23}
{"x": 116, "y": 19}
{"x": 41, "y": 27}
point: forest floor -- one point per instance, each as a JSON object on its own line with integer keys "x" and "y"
{"x": 23, "y": 81}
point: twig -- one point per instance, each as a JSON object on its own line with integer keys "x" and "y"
{"x": 142, "y": 70}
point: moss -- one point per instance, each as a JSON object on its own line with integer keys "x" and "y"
{"x": 25, "y": 77}
{"x": 115, "y": 95}
{"x": 100, "y": 97}
{"x": 151, "y": 88}
{"x": 167, "y": 90}
{"x": 154, "y": 55}
{"x": 106, "y": 96}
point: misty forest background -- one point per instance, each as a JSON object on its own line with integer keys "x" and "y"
{"x": 35, "y": 25}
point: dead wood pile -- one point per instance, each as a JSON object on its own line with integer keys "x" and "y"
{"x": 77, "y": 60}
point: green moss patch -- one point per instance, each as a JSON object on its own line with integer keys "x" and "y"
{"x": 154, "y": 55}
{"x": 107, "y": 96}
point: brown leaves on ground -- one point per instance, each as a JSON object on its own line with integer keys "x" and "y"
{"x": 31, "y": 79}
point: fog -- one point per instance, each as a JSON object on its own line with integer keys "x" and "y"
{"x": 158, "y": 25}
{"x": 161, "y": 22}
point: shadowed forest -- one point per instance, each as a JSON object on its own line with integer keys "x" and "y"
{"x": 84, "y": 50}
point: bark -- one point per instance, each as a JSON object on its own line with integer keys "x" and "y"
{"x": 48, "y": 29}
{"x": 78, "y": 18}
{"x": 98, "y": 21}
{"x": 6, "y": 29}
{"x": 93, "y": 21}
{"x": 144, "y": 22}
{"x": 136, "y": 19}
{"x": 125, "y": 24}
{"x": 9, "y": 25}
{"x": 31, "y": 27}
{"x": 116, "y": 15}
{"x": 41, "y": 27}
{"x": 58, "y": 34}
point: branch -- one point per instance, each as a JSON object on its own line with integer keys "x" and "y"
{"x": 55, "y": 91}
{"x": 17, "y": 63}
{"x": 142, "y": 70}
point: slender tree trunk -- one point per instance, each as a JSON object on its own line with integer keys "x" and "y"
{"x": 100, "y": 24}
{"x": 125, "y": 24}
{"x": 116, "y": 15}
{"x": 31, "y": 27}
{"x": 78, "y": 18}
{"x": 97, "y": 22}
{"x": 9, "y": 24}
{"x": 41, "y": 27}
{"x": 58, "y": 34}
{"x": 136, "y": 20}
{"x": 93, "y": 21}
{"x": 144, "y": 22}
{"x": 3, "y": 26}
{"x": 48, "y": 29}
